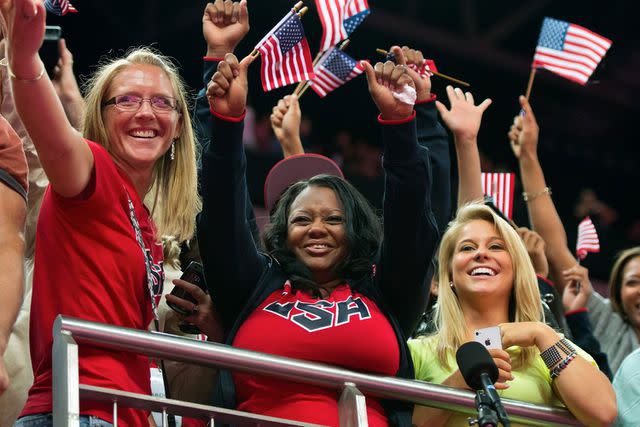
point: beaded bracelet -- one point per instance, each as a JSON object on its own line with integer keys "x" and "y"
{"x": 556, "y": 371}
{"x": 551, "y": 356}
{"x": 528, "y": 197}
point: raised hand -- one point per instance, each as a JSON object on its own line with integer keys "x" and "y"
{"x": 227, "y": 90}
{"x": 203, "y": 314}
{"x": 224, "y": 24}
{"x": 408, "y": 56}
{"x": 535, "y": 247}
{"x": 464, "y": 117}
{"x": 66, "y": 86}
{"x": 576, "y": 294}
{"x": 523, "y": 134}
{"x": 384, "y": 80}
{"x": 285, "y": 122}
{"x": 25, "y": 26}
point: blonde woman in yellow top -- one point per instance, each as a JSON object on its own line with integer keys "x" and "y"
{"x": 486, "y": 279}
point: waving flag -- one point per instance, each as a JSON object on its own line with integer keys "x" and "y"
{"x": 499, "y": 186}
{"x": 285, "y": 54}
{"x": 569, "y": 50}
{"x": 587, "y": 239}
{"x": 339, "y": 18}
{"x": 333, "y": 69}
{"x": 59, "y": 7}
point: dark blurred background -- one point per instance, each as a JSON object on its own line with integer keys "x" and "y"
{"x": 589, "y": 134}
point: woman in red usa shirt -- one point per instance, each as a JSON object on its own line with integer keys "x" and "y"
{"x": 331, "y": 286}
{"x": 98, "y": 255}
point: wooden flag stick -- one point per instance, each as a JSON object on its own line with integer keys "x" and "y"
{"x": 304, "y": 82}
{"x": 444, "y": 76}
{"x": 530, "y": 84}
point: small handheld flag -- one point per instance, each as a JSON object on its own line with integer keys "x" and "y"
{"x": 587, "y": 239}
{"x": 285, "y": 54}
{"x": 334, "y": 69}
{"x": 339, "y": 19}
{"x": 59, "y": 7}
{"x": 569, "y": 50}
{"x": 499, "y": 187}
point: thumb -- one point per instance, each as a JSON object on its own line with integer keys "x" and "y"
{"x": 485, "y": 104}
{"x": 524, "y": 103}
{"x": 399, "y": 55}
{"x": 441, "y": 109}
{"x": 294, "y": 105}
{"x": 246, "y": 61}
{"x": 370, "y": 73}
{"x": 244, "y": 13}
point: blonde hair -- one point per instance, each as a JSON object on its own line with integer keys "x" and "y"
{"x": 173, "y": 195}
{"x": 525, "y": 305}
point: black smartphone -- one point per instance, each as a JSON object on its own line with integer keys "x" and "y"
{"x": 194, "y": 273}
{"x": 49, "y": 52}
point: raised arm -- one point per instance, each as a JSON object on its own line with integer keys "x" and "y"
{"x": 66, "y": 86}
{"x": 224, "y": 25}
{"x": 285, "y": 122}
{"x": 410, "y": 231}
{"x": 64, "y": 155}
{"x": 464, "y": 119}
{"x": 227, "y": 248}
{"x": 13, "y": 213}
{"x": 544, "y": 218}
{"x": 431, "y": 135}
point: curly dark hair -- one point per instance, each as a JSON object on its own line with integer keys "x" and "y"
{"x": 363, "y": 233}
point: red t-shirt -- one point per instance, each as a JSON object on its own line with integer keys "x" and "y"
{"x": 89, "y": 265}
{"x": 346, "y": 329}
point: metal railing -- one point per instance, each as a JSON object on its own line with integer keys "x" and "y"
{"x": 67, "y": 392}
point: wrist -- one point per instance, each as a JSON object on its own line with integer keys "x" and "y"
{"x": 465, "y": 141}
{"x": 528, "y": 156}
{"x": 424, "y": 96}
{"x": 219, "y": 51}
{"x": 545, "y": 336}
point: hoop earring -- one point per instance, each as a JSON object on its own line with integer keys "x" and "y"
{"x": 172, "y": 154}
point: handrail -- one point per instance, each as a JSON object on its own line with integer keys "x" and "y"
{"x": 182, "y": 349}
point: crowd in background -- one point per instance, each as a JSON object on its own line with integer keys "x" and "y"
{"x": 110, "y": 166}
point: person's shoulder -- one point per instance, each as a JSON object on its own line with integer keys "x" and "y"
{"x": 630, "y": 364}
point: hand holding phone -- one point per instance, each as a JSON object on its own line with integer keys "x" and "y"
{"x": 194, "y": 274}
{"x": 489, "y": 337}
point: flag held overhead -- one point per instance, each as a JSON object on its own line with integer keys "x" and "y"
{"x": 286, "y": 58}
{"x": 339, "y": 19}
{"x": 569, "y": 50}
{"x": 334, "y": 69}
{"x": 499, "y": 187}
{"x": 587, "y": 239}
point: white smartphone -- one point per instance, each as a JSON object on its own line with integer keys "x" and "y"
{"x": 489, "y": 337}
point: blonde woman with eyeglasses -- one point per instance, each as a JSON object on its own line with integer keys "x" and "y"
{"x": 128, "y": 179}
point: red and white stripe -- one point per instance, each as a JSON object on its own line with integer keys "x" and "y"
{"x": 500, "y": 186}
{"x": 332, "y": 13}
{"x": 582, "y": 52}
{"x": 587, "y": 239}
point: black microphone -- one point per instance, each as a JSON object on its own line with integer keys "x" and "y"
{"x": 480, "y": 372}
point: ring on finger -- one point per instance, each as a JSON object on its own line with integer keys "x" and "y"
{"x": 195, "y": 308}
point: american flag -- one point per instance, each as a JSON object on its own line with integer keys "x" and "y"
{"x": 569, "y": 50}
{"x": 499, "y": 187}
{"x": 333, "y": 69}
{"x": 587, "y": 239}
{"x": 339, "y": 18}
{"x": 59, "y": 7}
{"x": 427, "y": 69}
{"x": 285, "y": 54}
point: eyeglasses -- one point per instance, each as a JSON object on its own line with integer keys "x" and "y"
{"x": 131, "y": 103}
